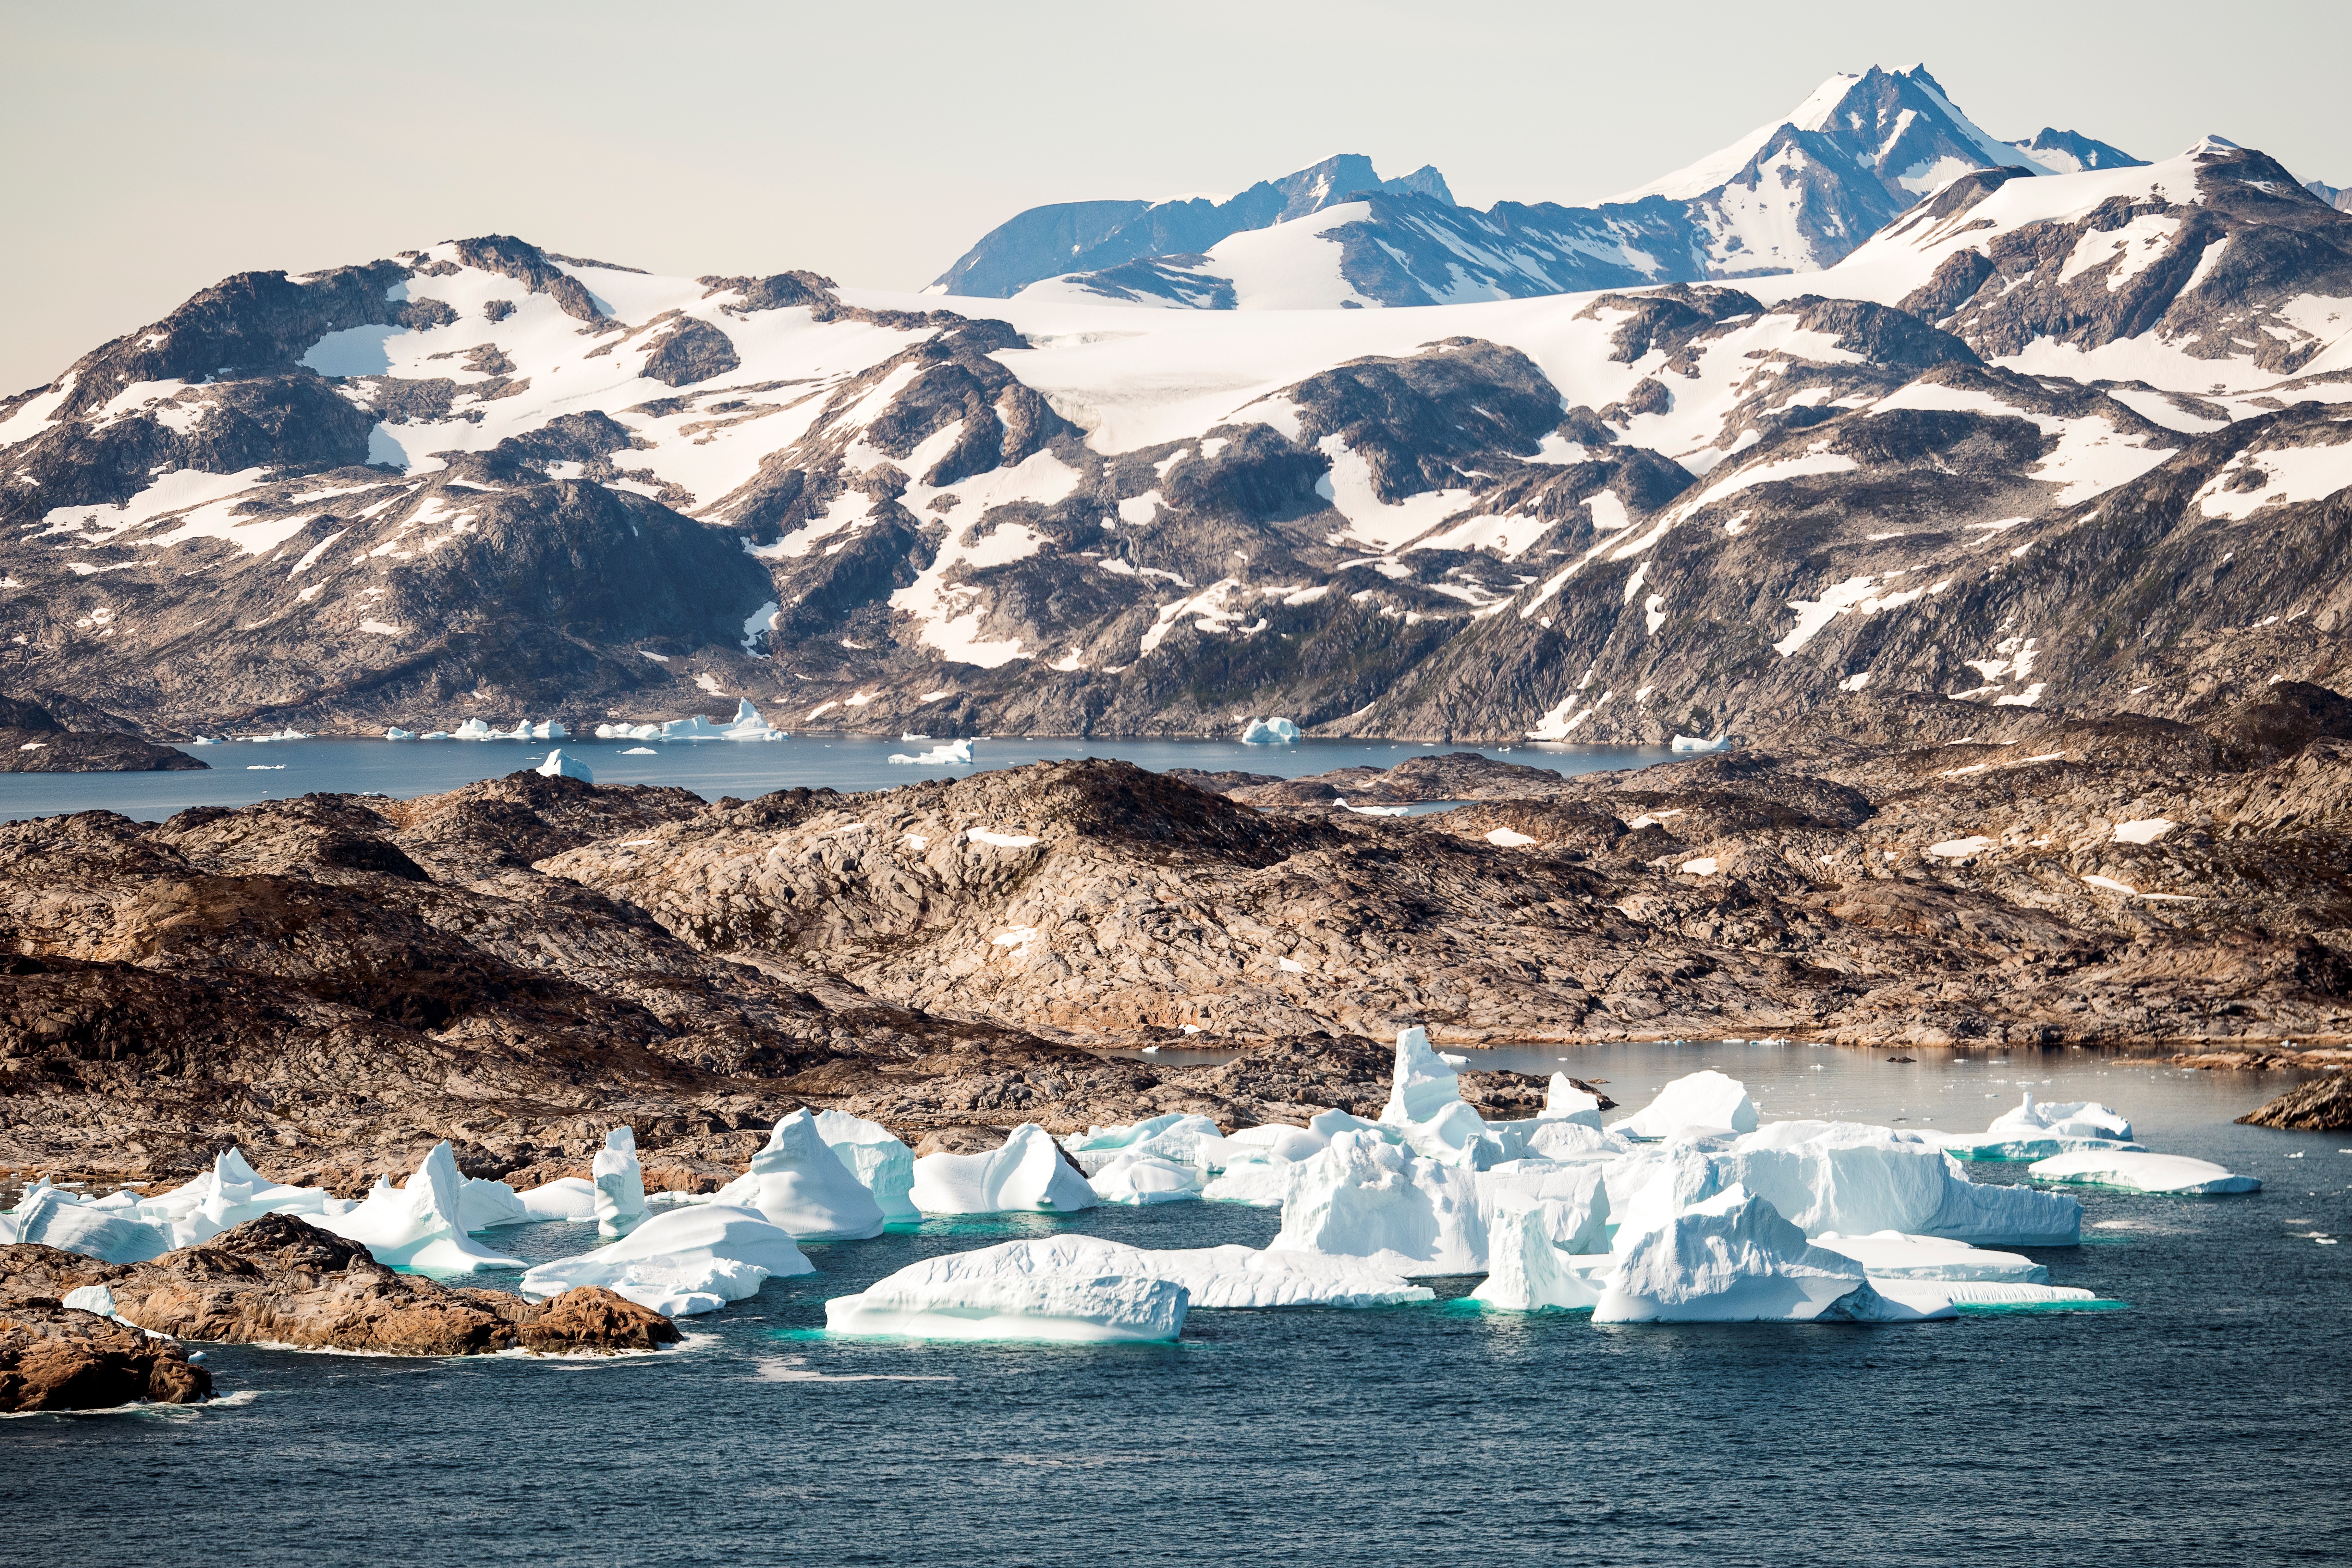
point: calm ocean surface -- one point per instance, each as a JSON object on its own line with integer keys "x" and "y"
{"x": 2208, "y": 1424}
{"x": 244, "y": 772}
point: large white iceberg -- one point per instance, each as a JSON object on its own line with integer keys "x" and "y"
{"x": 1053, "y": 1287}
{"x": 1564, "y": 1102}
{"x": 620, "y": 1184}
{"x": 566, "y": 1197}
{"x": 559, "y": 766}
{"x": 1028, "y": 1172}
{"x": 1138, "y": 1179}
{"x": 876, "y": 1157}
{"x": 486, "y": 1204}
{"x": 1857, "y": 1179}
{"x": 947, "y": 753}
{"x": 419, "y": 1225}
{"x": 1174, "y": 1136}
{"x": 2032, "y": 1131}
{"x": 1269, "y": 731}
{"x": 685, "y": 1260}
{"x": 54, "y": 1218}
{"x": 1423, "y": 1084}
{"x": 1364, "y": 1197}
{"x": 1733, "y": 1258}
{"x": 800, "y": 1183}
{"x": 1703, "y": 1102}
{"x": 1526, "y": 1269}
{"x": 2142, "y": 1173}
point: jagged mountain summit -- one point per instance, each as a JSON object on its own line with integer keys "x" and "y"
{"x": 1795, "y": 195}
{"x": 2045, "y": 440}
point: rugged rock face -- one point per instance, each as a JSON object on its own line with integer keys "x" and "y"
{"x": 32, "y": 740}
{"x": 335, "y": 983}
{"x": 275, "y": 1280}
{"x": 54, "y": 1357}
{"x": 2323, "y": 1105}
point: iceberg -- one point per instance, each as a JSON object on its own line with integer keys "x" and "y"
{"x": 882, "y": 1164}
{"x": 1684, "y": 743}
{"x": 559, "y": 766}
{"x": 1176, "y": 1137}
{"x": 1364, "y": 1197}
{"x": 2031, "y": 1131}
{"x": 471, "y": 730}
{"x": 1526, "y": 1269}
{"x": 1733, "y": 1258}
{"x": 1564, "y": 1102}
{"x": 1703, "y": 1102}
{"x": 1577, "y": 1200}
{"x": 1269, "y": 732}
{"x": 2143, "y": 1172}
{"x": 91, "y": 1298}
{"x": 1856, "y": 1180}
{"x": 947, "y": 753}
{"x": 1275, "y": 1144}
{"x": 487, "y": 1205}
{"x": 799, "y": 1183}
{"x": 566, "y": 1197}
{"x": 1939, "y": 1298}
{"x": 1423, "y": 1084}
{"x": 694, "y": 1258}
{"x": 1028, "y": 1172}
{"x": 1891, "y": 1255}
{"x": 395, "y": 732}
{"x": 549, "y": 730}
{"x": 1066, "y": 1287}
{"x": 420, "y": 1224}
{"x": 1261, "y": 1184}
{"x": 620, "y": 1184}
{"x": 1138, "y": 1179}
{"x": 54, "y": 1218}
{"x": 747, "y": 724}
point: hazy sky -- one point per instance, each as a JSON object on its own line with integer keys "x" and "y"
{"x": 149, "y": 150}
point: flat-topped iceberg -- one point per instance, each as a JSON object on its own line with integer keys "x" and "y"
{"x": 882, "y": 1164}
{"x": 684, "y": 1260}
{"x": 1941, "y": 1297}
{"x": 802, "y": 1185}
{"x": 420, "y": 1224}
{"x": 2032, "y": 1131}
{"x": 1272, "y": 732}
{"x": 1028, "y": 1172}
{"x": 1857, "y": 1179}
{"x": 1891, "y": 1255}
{"x": 2143, "y": 1172}
{"x": 1702, "y": 1102}
{"x": 1733, "y": 1258}
{"x": 1065, "y": 1287}
{"x": 947, "y": 753}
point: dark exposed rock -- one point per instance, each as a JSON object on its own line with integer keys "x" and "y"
{"x": 54, "y": 1357}
{"x": 33, "y": 741}
{"x": 2323, "y": 1105}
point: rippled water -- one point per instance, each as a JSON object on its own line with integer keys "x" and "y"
{"x": 2206, "y": 1425}
{"x": 243, "y": 772}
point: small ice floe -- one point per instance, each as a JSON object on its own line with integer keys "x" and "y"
{"x": 1273, "y": 732}
{"x": 288, "y": 734}
{"x": 1027, "y": 1173}
{"x": 559, "y": 766}
{"x": 799, "y": 1183}
{"x": 419, "y": 1225}
{"x": 1139, "y": 1179}
{"x": 396, "y": 733}
{"x": 1693, "y": 743}
{"x": 265, "y": 767}
{"x": 947, "y": 753}
{"x": 1892, "y": 1255}
{"x": 682, "y": 1261}
{"x": 2142, "y": 1173}
{"x": 640, "y": 752}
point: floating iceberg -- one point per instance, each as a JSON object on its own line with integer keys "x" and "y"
{"x": 53, "y": 1218}
{"x": 1269, "y": 732}
{"x": 1695, "y": 743}
{"x": 1703, "y": 1102}
{"x": 1028, "y": 1172}
{"x": 566, "y": 1197}
{"x": 1576, "y": 1200}
{"x": 1068, "y": 1287}
{"x": 682, "y": 1261}
{"x": 620, "y": 1185}
{"x": 2143, "y": 1172}
{"x": 1891, "y": 1255}
{"x": 287, "y": 734}
{"x": 1937, "y": 1297}
{"x": 2031, "y": 1131}
{"x": 559, "y": 766}
{"x": 471, "y": 730}
{"x": 1276, "y": 1144}
{"x": 798, "y": 1183}
{"x": 1260, "y": 1184}
{"x": 486, "y": 1204}
{"x": 1564, "y": 1102}
{"x": 640, "y": 752}
{"x": 1526, "y": 1269}
{"x": 396, "y": 733}
{"x": 747, "y": 724}
{"x": 1421, "y": 1085}
{"x": 421, "y": 1224}
{"x": 1857, "y": 1180}
{"x": 1177, "y": 1137}
{"x": 883, "y": 1164}
{"x": 1733, "y": 1258}
{"x": 947, "y": 753}
{"x": 1363, "y": 1197}
{"x": 1137, "y": 1178}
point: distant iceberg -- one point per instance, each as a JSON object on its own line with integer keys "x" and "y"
{"x": 1065, "y": 1287}
{"x": 559, "y": 766}
{"x": 1028, "y": 1172}
{"x": 1269, "y": 732}
{"x": 747, "y": 725}
{"x": 800, "y": 1183}
{"x": 2135, "y": 1172}
{"x": 1695, "y": 743}
{"x": 396, "y": 733}
{"x": 947, "y": 753}
{"x": 419, "y": 1225}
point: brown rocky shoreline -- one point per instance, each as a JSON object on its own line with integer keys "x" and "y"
{"x": 334, "y": 982}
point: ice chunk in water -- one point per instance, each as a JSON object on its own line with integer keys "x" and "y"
{"x": 1272, "y": 732}
{"x": 420, "y": 1224}
{"x": 1703, "y": 1102}
{"x": 485, "y": 1205}
{"x": 883, "y": 1164}
{"x": 1891, "y": 1255}
{"x": 620, "y": 1184}
{"x": 1137, "y": 1178}
{"x": 695, "y": 1259}
{"x": 1526, "y": 1269}
{"x": 800, "y": 1183}
{"x": 1053, "y": 1287}
{"x": 1176, "y": 1137}
{"x": 2143, "y": 1172}
{"x": 1733, "y": 1258}
{"x": 566, "y": 1197}
{"x": 2074, "y": 1118}
{"x": 1423, "y": 1084}
{"x": 54, "y": 1218}
{"x": 559, "y": 766}
{"x": 1027, "y": 1173}
{"x": 1363, "y": 1197}
{"x": 1564, "y": 1102}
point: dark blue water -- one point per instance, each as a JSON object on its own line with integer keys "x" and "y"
{"x": 244, "y": 772}
{"x": 2206, "y": 1425}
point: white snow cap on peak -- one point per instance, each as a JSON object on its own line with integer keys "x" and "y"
{"x": 1424, "y": 1085}
{"x": 2211, "y": 144}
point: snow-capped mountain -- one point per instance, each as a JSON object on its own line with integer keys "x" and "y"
{"x": 2046, "y": 439}
{"x": 1795, "y": 195}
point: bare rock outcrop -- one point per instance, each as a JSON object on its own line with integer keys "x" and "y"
{"x": 2323, "y": 1105}
{"x": 55, "y": 1357}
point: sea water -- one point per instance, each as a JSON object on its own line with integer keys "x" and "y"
{"x": 2205, "y": 1424}
{"x": 244, "y": 772}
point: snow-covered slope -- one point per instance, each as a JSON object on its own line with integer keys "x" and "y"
{"x": 478, "y": 481}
